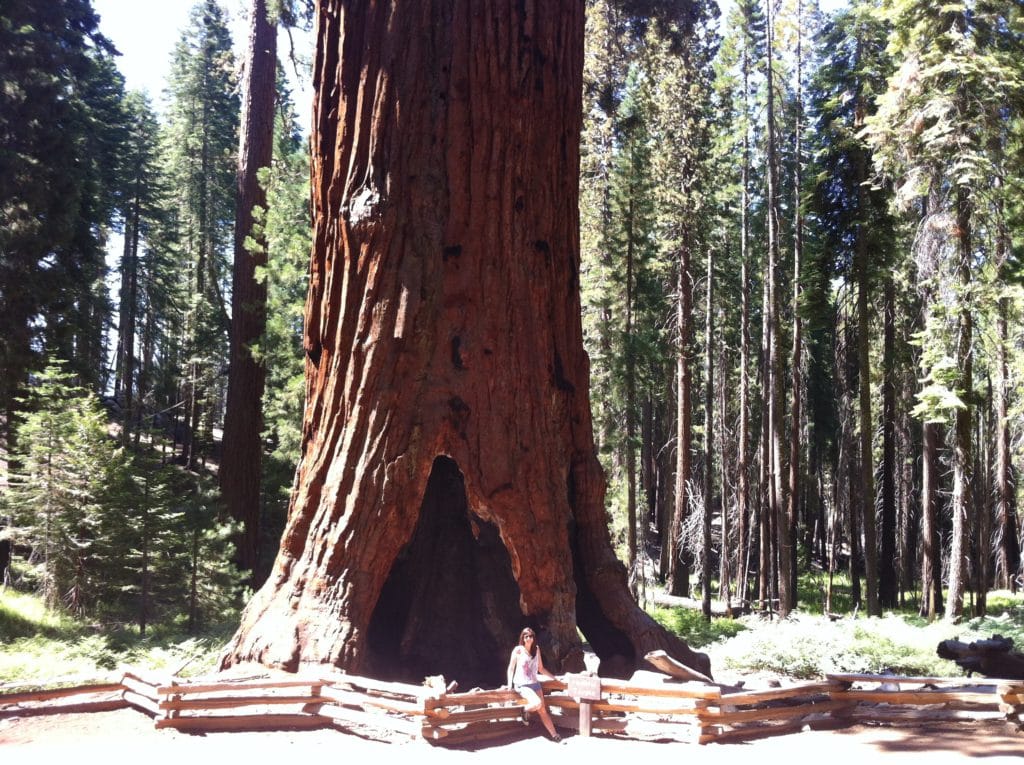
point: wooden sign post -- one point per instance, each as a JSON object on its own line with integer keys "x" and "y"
{"x": 585, "y": 689}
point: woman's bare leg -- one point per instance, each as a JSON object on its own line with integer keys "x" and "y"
{"x": 546, "y": 718}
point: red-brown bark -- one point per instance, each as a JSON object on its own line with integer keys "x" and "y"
{"x": 241, "y": 469}
{"x": 445, "y": 359}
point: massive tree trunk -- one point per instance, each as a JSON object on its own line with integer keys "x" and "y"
{"x": 240, "y": 471}
{"x": 448, "y": 491}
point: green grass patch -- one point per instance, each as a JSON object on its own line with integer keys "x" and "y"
{"x": 691, "y": 625}
{"x": 809, "y": 646}
{"x": 41, "y": 647}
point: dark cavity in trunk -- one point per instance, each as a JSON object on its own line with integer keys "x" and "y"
{"x": 450, "y": 605}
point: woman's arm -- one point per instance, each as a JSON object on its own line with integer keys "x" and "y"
{"x": 511, "y": 667}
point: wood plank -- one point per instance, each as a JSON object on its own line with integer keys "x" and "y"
{"x": 774, "y": 694}
{"x": 220, "y": 687}
{"x": 752, "y": 732}
{"x": 100, "y": 705}
{"x": 58, "y": 693}
{"x": 769, "y": 713}
{"x": 340, "y": 696}
{"x": 244, "y": 722}
{"x": 145, "y": 703}
{"x": 481, "y": 715}
{"x": 149, "y": 678}
{"x": 1014, "y": 687}
{"x": 500, "y": 695}
{"x": 231, "y": 702}
{"x": 853, "y": 677}
{"x": 368, "y": 683}
{"x": 689, "y": 690}
{"x": 141, "y": 688}
{"x": 918, "y": 698}
{"x": 611, "y": 705}
{"x": 671, "y": 666}
{"x": 597, "y": 724}
{"x": 340, "y": 716}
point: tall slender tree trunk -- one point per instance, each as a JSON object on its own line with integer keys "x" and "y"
{"x": 1008, "y": 555}
{"x": 793, "y": 505}
{"x": 866, "y": 494}
{"x": 743, "y": 449}
{"x": 850, "y": 467}
{"x": 888, "y": 582}
{"x": 709, "y": 440}
{"x": 448, "y": 490}
{"x": 241, "y": 461}
{"x": 679, "y": 570}
{"x": 963, "y": 462}
{"x": 1008, "y": 550}
{"x": 931, "y": 558}
{"x": 630, "y": 403}
{"x": 774, "y": 394}
{"x": 725, "y": 569}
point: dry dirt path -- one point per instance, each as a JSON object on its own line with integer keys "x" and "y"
{"x": 129, "y": 736}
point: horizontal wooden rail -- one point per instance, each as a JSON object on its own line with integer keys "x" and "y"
{"x": 642, "y": 708}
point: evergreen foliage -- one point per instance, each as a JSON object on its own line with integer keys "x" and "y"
{"x": 893, "y": 179}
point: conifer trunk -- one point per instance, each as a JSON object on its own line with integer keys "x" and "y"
{"x": 241, "y": 463}
{"x": 888, "y": 582}
{"x": 679, "y": 569}
{"x": 709, "y": 441}
{"x": 963, "y": 462}
{"x": 866, "y": 495}
{"x": 448, "y": 490}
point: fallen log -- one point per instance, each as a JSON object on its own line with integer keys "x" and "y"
{"x": 994, "y": 657}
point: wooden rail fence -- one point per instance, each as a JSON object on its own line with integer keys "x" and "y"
{"x": 651, "y": 706}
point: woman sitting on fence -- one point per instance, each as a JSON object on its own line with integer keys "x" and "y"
{"x": 524, "y": 666}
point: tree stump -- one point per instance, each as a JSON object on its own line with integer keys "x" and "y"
{"x": 994, "y": 657}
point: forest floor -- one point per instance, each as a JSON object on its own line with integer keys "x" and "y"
{"x": 128, "y": 735}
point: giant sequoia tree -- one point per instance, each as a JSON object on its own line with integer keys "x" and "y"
{"x": 448, "y": 490}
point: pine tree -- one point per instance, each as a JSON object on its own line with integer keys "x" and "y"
{"x": 932, "y": 133}
{"x": 66, "y": 461}
{"x": 203, "y": 142}
{"x": 241, "y": 465}
{"x": 60, "y": 123}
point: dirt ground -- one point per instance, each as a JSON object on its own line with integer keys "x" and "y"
{"x": 127, "y": 735}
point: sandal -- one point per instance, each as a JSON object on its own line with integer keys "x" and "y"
{"x": 556, "y": 738}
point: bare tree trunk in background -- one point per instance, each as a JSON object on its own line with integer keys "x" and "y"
{"x": 448, "y": 491}
{"x": 743, "y": 457}
{"x": 679, "y": 569}
{"x": 1008, "y": 544}
{"x": 794, "y": 488}
{"x": 241, "y": 462}
{"x": 963, "y": 461}
{"x": 777, "y": 501}
{"x": 931, "y": 558}
{"x": 709, "y": 440}
{"x": 888, "y": 582}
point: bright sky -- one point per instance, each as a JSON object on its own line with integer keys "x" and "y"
{"x": 145, "y": 33}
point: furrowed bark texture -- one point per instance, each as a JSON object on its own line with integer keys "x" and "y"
{"x": 447, "y": 423}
